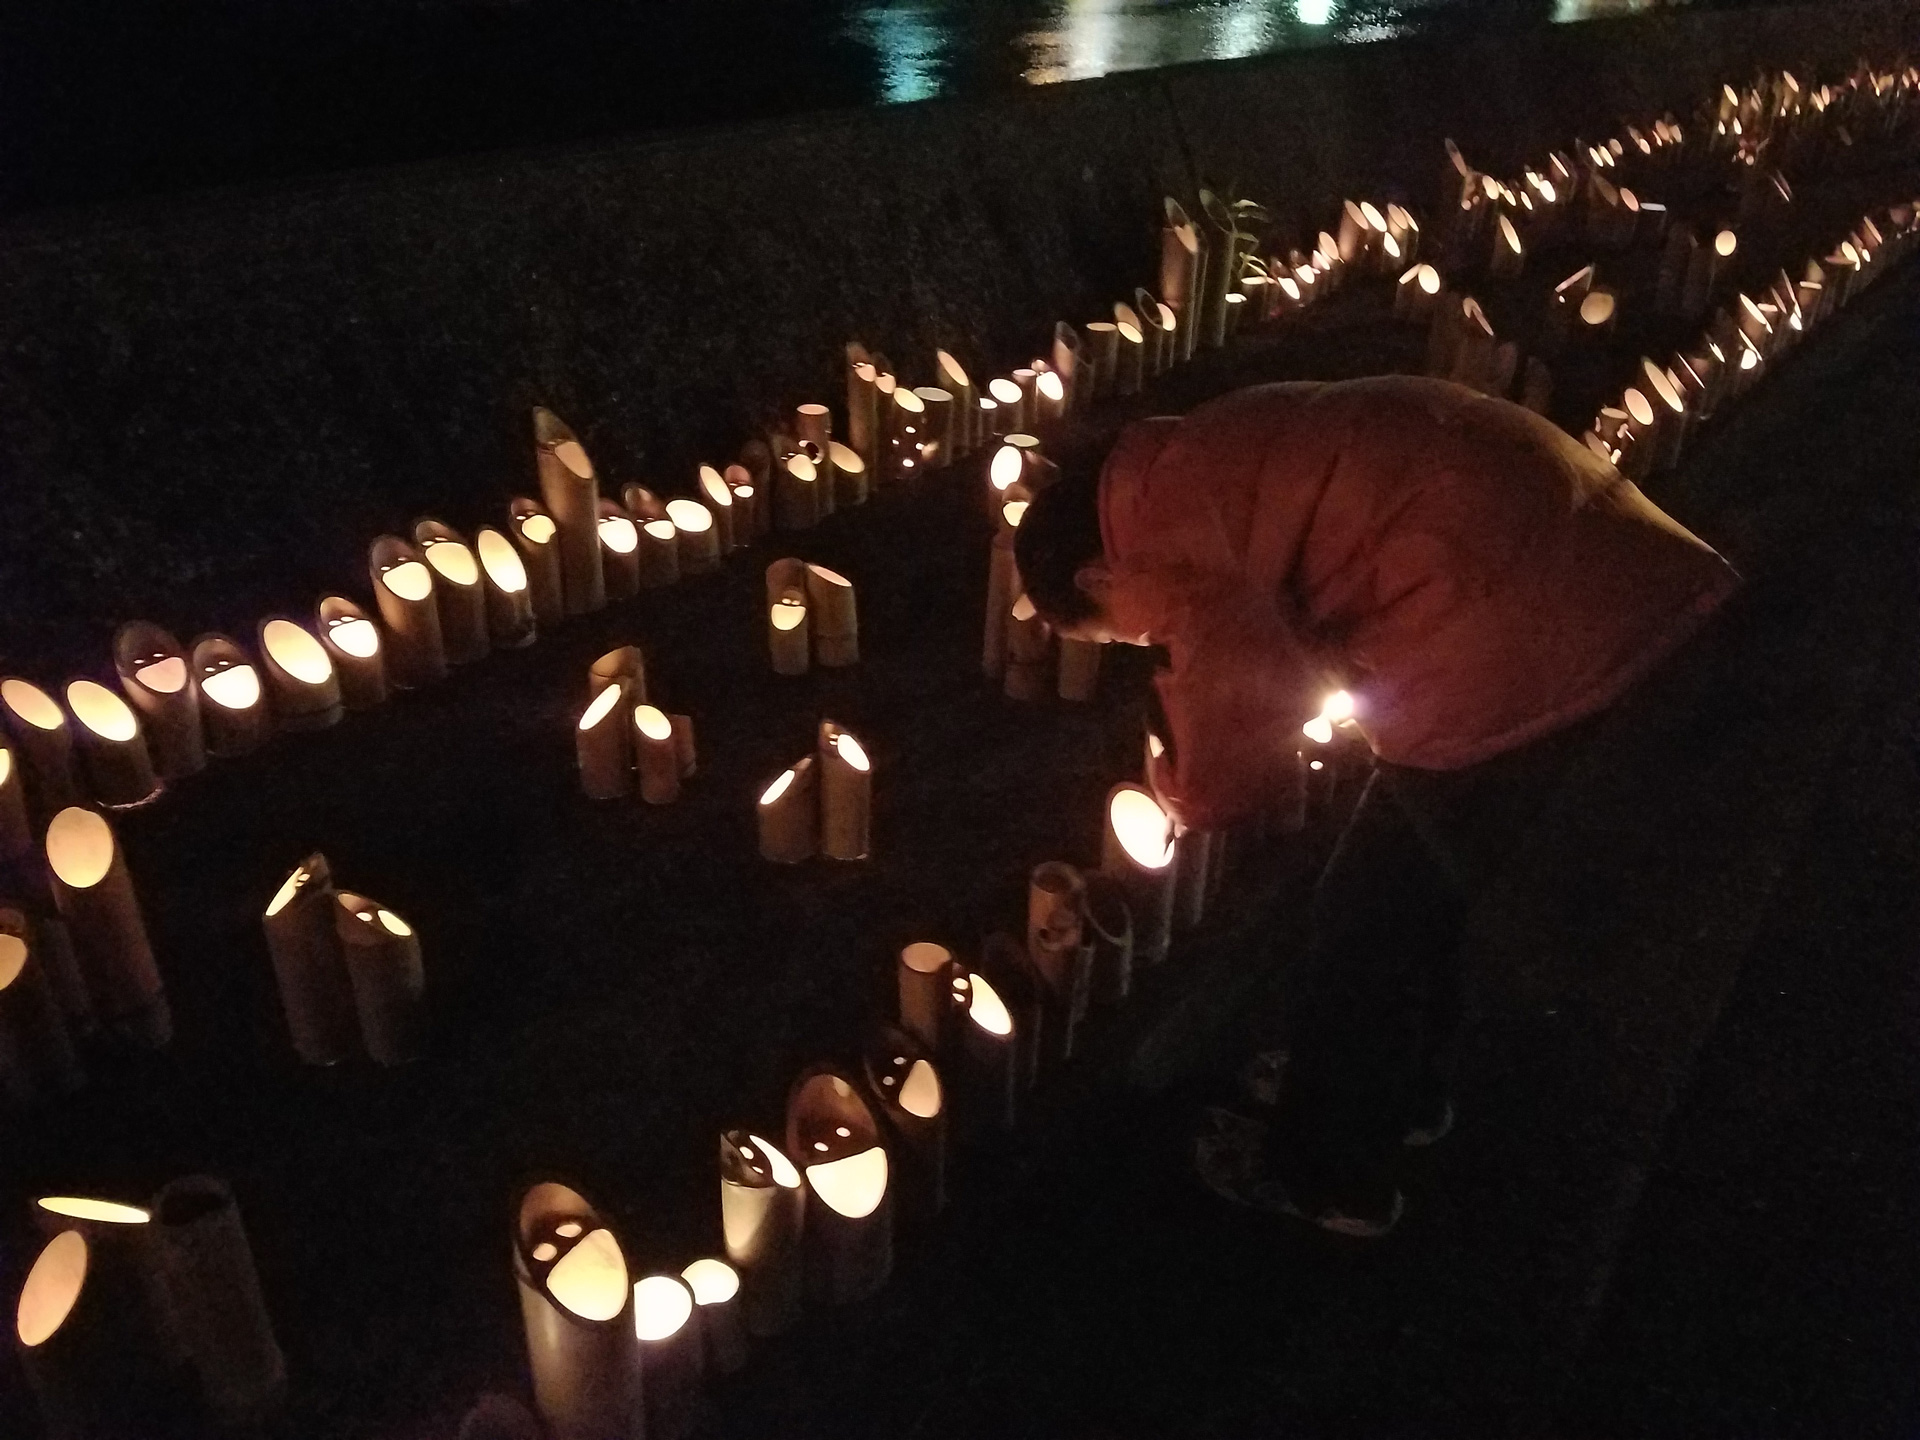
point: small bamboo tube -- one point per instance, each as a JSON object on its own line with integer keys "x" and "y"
{"x": 1049, "y": 404}
{"x": 718, "y": 497}
{"x": 89, "y": 1359}
{"x": 789, "y": 815}
{"x": 1416, "y": 293}
{"x": 697, "y": 542}
{"x": 813, "y": 425}
{"x": 749, "y": 508}
{"x": 1139, "y": 851}
{"x": 667, "y": 1337}
{"x": 954, "y": 380}
{"x": 1509, "y": 254}
{"x": 924, "y": 975}
{"x": 834, "y": 620}
{"x": 716, "y": 1297}
{"x": 113, "y": 751}
{"x": 389, "y": 982}
{"x": 788, "y": 642}
{"x": 16, "y": 830}
{"x": 987, "y": 423}
{"x": 1669, "y": 401}
{"x": 1058, "y": 951}
{"x": 538, "y": 540}
{"x": 403, "y": 588}
{"x": 1646, "y": 436}
{"x": 1598, "y": 312}
{"x": 1180, "y": 273}
{"x": 906, "y": 436}
{"x": 990, "y": 1070}
{"x": 763, "y": 1206}
{"x": 42, "y": 744}
{"x": 602, "y": 745}
{"x": 863, "y": 408}
{"x": 570, "y": 492}
{"x": 60, "y": 961}
{"x": 95, "y": 897}
{"x": 904, "y": 1086}
{"x": 214, "y": 1296}
{"x": 1002, "y": 577}
{"x": 936, "y": 446}
{"x": 301, "y": 682}
{"x": 233, "y": 706}
{"x": 1079, "y": 668}
{"x": 153, "y": 672}
{"x": 354, "y": 645}
{"x": 619, "y": 550}
{"x": 1029, "y": 664}
{"x": 1236, "y": 308}
{"x": 1103, "y": 359}
{"x": 832, "y": 1136}
{"x": 1218, "y": 234}
{"x": 683, "y": 745}
{"x": 575, "y": 1308}
{"x": 458, "y": 592}
{"x": 656, "y": 760}
{"x": 796, "y": 496}
{"x": 37, "y": 1058}
{"x": 846, "y": 794}
{"x": 1110, "y": 926}
{"x": 659, "y": 554}
{"x": 1066, "y": 361}
{"x": 1009, "y": 405}
{"x": 510, "y": 618}
{"x": 786, "y": 576}
{"x": 309, "y": 968}
{"x": 849, "y": 475}
{"x": 1005, "y": 963}
{"x": 1130, "y": 359}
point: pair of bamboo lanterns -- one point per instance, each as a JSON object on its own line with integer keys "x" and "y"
{"x": 811, "y": 618}
{"x": 822, "y": 804}
{"x": 626, "y": 746}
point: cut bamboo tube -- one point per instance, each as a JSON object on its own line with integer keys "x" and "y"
{"x": 1066, "y": 360}
{"x": 538, "y": 540}
{"x": 1139, "y": 851}
{"x": 623, "y": 663}
{"x": 718, "y": 498}
{"x": 848, "y": 1241}
{"x": 797, "y": 494}
{"x": 403, "y": 587}
{"x": 1004, "y": 962}
{"x": 954, "y": 380}
{"x": 1509, "y": 254}
{"x": 833, "y": 618}
{"x": 846, "y": 794}
{"x": 906, "y": 433}
{"x": 575, "y": 1300}
{"x": 1130, "y": 366}
{"x": 989, "y": 1079}
{"x": 214, "y": 1294}
{"x": 570, "y": 492}
{"x": 354, "y": 645}
{"x": 153, "y": 670}
{"x": 16, "y": 830}
{"x": 659, "y": 554}
{"x": 42, "y": 744}
{"x": 52, "y": 941}
{"x": 37, "y": 1059}
{"x": 698, "y": 543}
{"x": 1049, "y": 403}
{"x": 458, "y": 593}
{"x": 1103, "y": 360}
{"x": 936, "y": 446}
{"x": 849, "y": 475}
{"x": 95, "y": 897}
{"x": 233, "y": 708}
{"x": 763, "y": 1206}
{"x": 1002, "y": 578}
{"x": 1079, "y": 668}
{"x": 113, "y": 751}
{"x": 1235, "y": 308}
{"x": 1180, "y": 273}
{"x": 309, "y": 968}
{"x": 642, "y": 504}
{"x": 1598, "y": 312}
{"x": 788, "y": 642}
{"x": 925, "y": 973}
{"x": 671, "y": 1360}
{"x": 603, "y": 746}
{"x": 656, "y": 760}
{"x": 748, "y": 509}
{"x": 510, "y": 618}
{"x": 1059, "y": 952}
{"x": 903, "y": 1084}
{"x": 813, "y": 426}
{"x": 987, "y": 422}
{"x": 1029, "y": 663}
{"x": 863, "y": 408}
{"x": 716, "y": 1296}
{"x": 389, "y": 982}
{"x": 789, "y": 815}
{"x": 1110, "y": 928}
{"x": 683, "y": 745}
{"x": 1665, "y": 393}
{"x": 1194, "y": 877}
{"x": 301, "y": 681}
{"x": 1415, "y": 294}
{"x": 619, "y": 550}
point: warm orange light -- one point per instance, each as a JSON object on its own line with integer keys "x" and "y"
{"x": 1597, "y": 308}
{"x": 410, "y": 580}
{"x": 850, "y": 751}
{"x": 1339, "y": 707}
{"x": 1142, "y": 827}
{"x": 101, "y": 711}
{"x": 1639, "y": 408}
{"x": 1004, "y": 391}
{"x": 787, "y": 614}
{"x": 53, "y": 1286}
{"x": 296, "y": 652}
{"x": 713, "y": 1282}
{"x": 923, "y": 957}
{"x": 715, "y": 488}
{"x": 163, "y": 677}
{"x": 452, "y": 562}
{"x": 392, "y": 923}
{"x": 986, "y": 1009}
{"x": 661, "y": 1305}
{"x": 778, "y": 787}
{"x": 569, "y": 454}
{"x": 591, "y": 1278}
{"x": 538, "y": 529}
{"x": 31, "y": 704}
{"x": 289, "y": 887}
{"x": 920, "y": 1096}
{"x": 105, "y": 1212}
{"x": 1725, "y": 243}
{"x": 652, "y": 722}
{"x": 1006, "y": 466}
{"x": 602, "y": 703}
{"x": 1050, "y": 387}
{"x": 501, "y": 561}
{"x": 1509, "y": 235}
{"x": 1319, "y": 730}
{"x": 1130, "y": 334}
{"x": 618, "y": 534}
{"x": 1013, "y": 512}
{"x": 79, "y": 848}
{"x": 845, "y": 459}
{"x": 237, "y": 687}
{"x": 690, "y": 516}
{"x": 358, "y": 638}
{"x": 854, "y": 1186}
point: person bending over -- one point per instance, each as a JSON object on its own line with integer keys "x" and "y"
{"x": 1481, "y": 584}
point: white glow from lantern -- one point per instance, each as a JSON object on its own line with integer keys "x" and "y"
{"x": 850, "y": 750}
{"x": 31, "y": 704}
{"x": 1339, "y": 707}
{"x": 920, "y": 1096}
{"x": 1130, "y": 335}
{"x": 661, "y": 1305}
{"x": 105, "y": 1212}
{"x": 79, "y": 848}
{"x": 591, "y": 1278}
{"x": 660, "y": 529}
{"x": 1049, "y": 387}
{"x": 1156, "y": 747}
{"x": 923, "y": 957}
{"x": 101, "y": 711}
{"x": 787, "y": 614}
{"x": 618, "y": 534}
{"x": 713, "y": 1282}
{"x": 13, "y": 959}
{"x": 1142, "y": 827}
{"x": 501, "y": 561}
{"x": 52, "y": 1288}
{"x": 357, "y": 637}
{"x": 1313, "y": 12}
{"x": 409, "y": 580}
{"x": 986, "y": 1009}
{"x": 1597, "y": 308}
{"x": 1006, "y": 466}
{"x": 1509, "y": 236}
{"x": 602, "y": 703}
{"x": 452, "y": 562}
{"x": 1725, "y": 243}
{"x": 235, "y": 688}
{"x": 845, "y": 458}
{"x": 569, "y": 454}
{"x": 778, "y": 787}
{"x": 910, "y": 401}
{"x": 296, "y": 652}
{"x": 392, "y": 923}
{"x": 1319, "y": 730}
{"x": 715, "y": 488}
{"x": 690, "y": 516}
{"x": 1664, "y": 387}
{"x": 538, "y": 529}
{"x": 1013, "y": 512}
{"x": 854, "y": 1186}
{"x": 652, "y": 722}
{"x": 163, "y": 677}
{"x": 1640, "y": 408}
{"x": 1004, "y": 391}
{"x": 289, "y": 887}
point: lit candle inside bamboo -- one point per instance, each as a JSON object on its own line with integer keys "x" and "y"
{"x": 1597, "y": 311}
{"x": 458, "y": 593}
{"x": 574, "y": 1300}
{"x": 95, "y": 897}
{"x": 848, "y": 1239}
{"x": 762, "y": 1214}
{"x": 570, "y": 491}
{"x": 659, "y": 559}
{"x": 1049, "y": 403}
{"x": 389, "y": 981}
{"x": 789, "y": 815}
{"x": 656, "y": 758}
{"x": 1002, "y": 578}
{"x": 1509, "y": 255}
{"x": 718, "y": 498}
{"x": 113, "y": 751}
{"x": 903, "y": 1083}
{"x": 954, "y": 380}
{"x": 353, "y": 644}
{"x": 671, "y": 1361}
{"x": 699, "y": 546}
{"x": 988, "y": 426}
{"x": 233, "y": 706}
{"x": 1139, "y": 852}
{"x": 42, "y": 743}
{"x": 510, "y": 619}
{"x": 66, "y": 1329}
{"x": 846, "y": 794}
{"x": 1065, "y": 362}
{"x": 797, "y": 494}
{"x": 37, "y": 1058}
{"x": 301, "y": 681}
{"x": 619, "y": 550}
{"x": 153, "y": 672}
{"x": 603, "y": 747}
{"x": 308, "y": 966}
{"x": 787, "y": 635}
{"x": 924, "y": 975}
{"x": 1029, "y": 664}
{"x": 1130, "y": 359}
{"x": 403, "y": 587}
{"x": 716, "y": 1296}
{"x": 833, "y": 618}
{"x": 537, "y": 539}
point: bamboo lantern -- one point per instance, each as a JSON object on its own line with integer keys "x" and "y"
{"x": 37, "y": 1057}
{"x": 602, "y": 745}
{"x": 1029, "y": 664}
{"x": 113, "y": 752}
{"x": 954, "y": 380}
{"x": 510, "y": 617}
{"x": 1509, "y": 255}
{"x": 1005, "y": 963}
{"x": 574, "y": 1299}
{"x": 1199, "y": 856}
{"x": 849, "y": 475}
{"x": 796, "y": 496}
{"x": 656, "y": 758}
{"x": 353, "y": 644}
{"x": 499, "y": 1417}
{"x": 925, "y": 974}
{"x": 16, "y": 830}
{"x": 863, "y": 407}
{"x": 787, "y": 635}
{"x": 403, "y": 587}
{"x": 1416, "y": 292}
{"x": 95, "y": 897}
{"x": 718, "y": 498}
{"x": 1103, "y": 360}
{"x": 1219, "y": 239}
{"x": 1058, "y": 951}
{"x": 1665, "y": 394}
{"x": 903, "y": 1083}
{"x": 1130, "y": 366}
{"x": 619, "y": 550}
{"x": 716, "y": 1296}
{"x": 992, "y": 1050}
{"x": 458, "y": 592}
{"x": 659, "y": 554}
{"x": 1049, "y": 403}
{"x": 233, "y": 706}
{"x": 153, "y": 672}
{"x": 1079, "y": 668}
{"x": 43, "y": 745}
{"x": 698, "y": 542}
{"x": 936, "y": 449}
{"x": 789, "y": 815}
{"x": 1110, "y": 929}
{"x": 383, "y": 962}
{"x": 763, "y": 1207}
{"x": 848, "y": 1240}
{"x": 1598, "y": 311}
{"x": 570, "y": 492}
{"x": 315, "y": 990}
{"x": 214, "y": 1299}
{"x": 70, "y": 1327}
{"x": 987, "y": 423}
{"x": 1139, "y": 852}
{"x": 906, "y": 433}
{"x": 1404, "y": 231}
{"x": 834, "y": 620}
{"x": 750, "y": 518}
{"x": 846, "y": 794}
{"x": 813, "y": 428}
{"x": 1180, "y": 273}
{"x": 1002, "y": 577}
{"x": 301, "y": 682}
{"x": 538, "y": 540}
{"x": 668, "y": 1340}
{"x": 1234, "y": 307}
{"x": 1066, "y": 363}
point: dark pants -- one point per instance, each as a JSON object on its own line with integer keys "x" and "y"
{"x": 1374, "y": 1008}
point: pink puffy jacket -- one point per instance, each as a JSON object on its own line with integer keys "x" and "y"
{"x": 1473, "y": 575}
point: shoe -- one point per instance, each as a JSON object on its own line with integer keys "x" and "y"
{"x": 1263, "y": 1079}
{"x": 1229, "y": 1155}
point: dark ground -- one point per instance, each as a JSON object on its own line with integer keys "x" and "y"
{"x": 1680, "y": 1200}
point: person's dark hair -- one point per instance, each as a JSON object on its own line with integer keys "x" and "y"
{"x": 1059, "y": 534}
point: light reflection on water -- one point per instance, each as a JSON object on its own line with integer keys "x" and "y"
{"x": 924, "y": 48}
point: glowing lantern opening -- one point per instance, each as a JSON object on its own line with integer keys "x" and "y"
{"x": 852, "y": 1187}
{"x": 1004, "y": 391}
{"x": 105, "y": 1212}
{"x": 452, "y": 562}
{"x": 501, "y": 561}
{"x": 163, "y": 677}
{"x": 570, "y": 454}
{"x": 101, "y": 711}
{"x": 296, "y": 652}
{"x": 1006, "y": 467}
{"x": 1013, "y": 512}
{"x": 1725, "y": 243}
{"x": 31, "y": 704}
{"x": 1319, "y": 730}
{"x": 850, "y": 750}
{"x": 1639, "y": 408}
{"x": 1339, "y": 707}
{"x": 660, "y": 529}
{"x": 1050, "y": 387}
{"x": 987, "y": 1010}
{"x": 591, "y": 1278}
{"x": 788, "y": 614}
{"x": 920, "y": 1096}
{"x": 1597, "y": 308}
{"x": 79, "y": 848}
{"x": 602, "y": 703}
{"x": 53, "y": 1286}
{"x": 713, "y": 1282}
{"x": 778, "y": 787}
{"x": 1143, "y": 829}
{"x": 13, "y": 959}
{"x": 236, "y": 687}
{"x": 618, "y": 534}
{"x": 356, "y": 637}
{"x": 538, "y": 529}
{"x": 652, "y": 722}
{"x": 661, "y": 1305}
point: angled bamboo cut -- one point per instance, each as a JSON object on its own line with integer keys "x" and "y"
{"x": 309, "y": 967}
{"x": 570, "y": 493}
{"x": 575, "y": 1309}
{"x": 153, "y": 671}
{"x": 113, "y": 749}
{"x": 925, "y": 973}
{"x": 903, "y": 1084}
{"x": 42, "y": 746}
{"x": 763, "y": 1211}
{"x": 788, "y": 814}
{"x": 619, "y": 550}
{"x": 459, "y": 592}
{"x": 96, "y": 898}
{"x": 389, "y": 981}
{"x": 538, "y": 540}
{"x": 403, "y": 588}
{"x": 1138, "y": 851}
{"x": 511, "y": 623}
{"x": 716, "y": 1294}
{"x": 354, "y": 645}
{"x": 233, "y": 705}
{"x": 302, "y": 684}
{"x": 848, "y": 1238}
{"x": 846, "y": 794}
